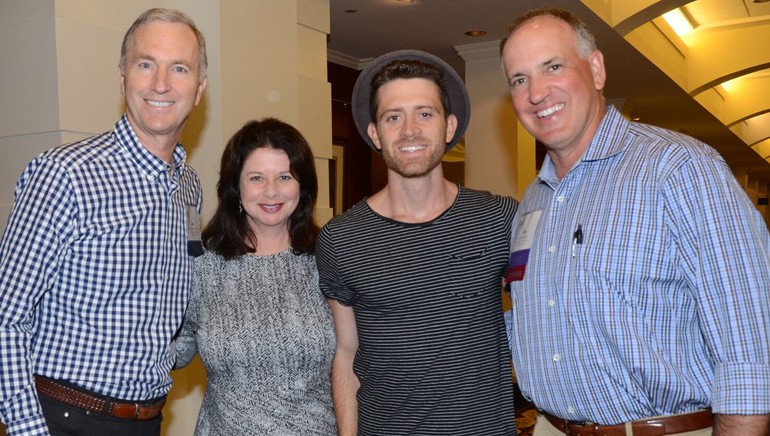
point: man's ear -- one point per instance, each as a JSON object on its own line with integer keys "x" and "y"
{"x": 201, "y": 87}
{"x": 122, "y": 77}
{"x": 372, "y": 131}
{"x": 596, "y": 61}
{"x": 451, "y": 127}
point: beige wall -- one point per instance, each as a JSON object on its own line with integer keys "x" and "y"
{"x": 59, "y": 82}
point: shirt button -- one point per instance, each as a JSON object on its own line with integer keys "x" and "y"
{"x": 571, "y": 410}
{"x": 556, "y": 357}
{"x": 560, "y": 198}
{"x": 551, "y": 303}
{"x": 551, "y": 249}
{"x": 151, "y": 178}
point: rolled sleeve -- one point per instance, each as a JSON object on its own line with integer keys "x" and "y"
{"x": 330, "y": 280}
{"x": 25, "y": 418}
{"x": 741, "y": 389}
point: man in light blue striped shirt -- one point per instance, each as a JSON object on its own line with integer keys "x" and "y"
{"x": 95, "y": 261}
{"x": 639, "y": 268}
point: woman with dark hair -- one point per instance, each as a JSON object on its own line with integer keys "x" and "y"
{"x": 256, "y": 316}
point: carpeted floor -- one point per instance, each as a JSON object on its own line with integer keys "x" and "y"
{"x": 525, "y": 420}
{"x": 526, "y": 414}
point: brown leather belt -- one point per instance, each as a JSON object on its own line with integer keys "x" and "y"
{"x": 662, "y": 426}
{"x": 94, "y": 404}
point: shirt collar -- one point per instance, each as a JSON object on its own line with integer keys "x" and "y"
{"x": 607, "y": 142}
{"x": 147, "y": 162}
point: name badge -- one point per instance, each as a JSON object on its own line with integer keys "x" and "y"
{"x": 194, "y": 244}
{"x": 520, "y": 246}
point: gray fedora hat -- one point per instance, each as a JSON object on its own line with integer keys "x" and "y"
{"x": 459, "y": 103}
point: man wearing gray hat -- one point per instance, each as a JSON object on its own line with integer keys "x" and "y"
{"x": 413, "y": 273}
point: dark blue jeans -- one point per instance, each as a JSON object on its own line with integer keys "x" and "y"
{"x": 65, "y": 420}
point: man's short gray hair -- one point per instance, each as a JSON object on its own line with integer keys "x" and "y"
{"x": 169, "y": 16}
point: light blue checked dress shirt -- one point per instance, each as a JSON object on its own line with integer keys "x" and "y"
{"x": 94, "y": 273}
{"x": 665, "y": 306}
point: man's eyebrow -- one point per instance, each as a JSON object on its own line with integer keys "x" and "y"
{"x": 149, "y": 57}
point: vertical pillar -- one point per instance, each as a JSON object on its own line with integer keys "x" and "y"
{"x": 315, "y": 94}
{"x": 499, "y": 153}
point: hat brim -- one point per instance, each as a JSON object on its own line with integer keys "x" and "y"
{"x": 459, "y": 102}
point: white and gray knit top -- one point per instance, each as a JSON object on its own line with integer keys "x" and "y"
{"x": 266, "y": 337}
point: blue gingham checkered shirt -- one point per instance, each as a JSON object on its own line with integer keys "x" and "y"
{"x": 665, "y": 306}
{"x": 94, "y": 273}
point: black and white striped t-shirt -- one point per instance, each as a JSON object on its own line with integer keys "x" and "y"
{"x": 433, "y": 355}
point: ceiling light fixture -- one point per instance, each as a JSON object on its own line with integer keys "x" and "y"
{"x": 476, "y": 33}
{"x": 678, "y": 21}
{"x": 730, "y": 85}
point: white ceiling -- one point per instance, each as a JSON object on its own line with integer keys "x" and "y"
{"x": 438, "y": 26}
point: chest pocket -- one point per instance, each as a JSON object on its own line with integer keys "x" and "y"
{"x": 470, "y": 271}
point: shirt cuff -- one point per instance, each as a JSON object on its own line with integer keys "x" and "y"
{"x": 741, "y": 389}
{"x": 32, "y": 426}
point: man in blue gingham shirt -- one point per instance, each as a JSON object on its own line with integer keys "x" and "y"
{"x": 640, "y": 269}
{"x": 95, "y": 261}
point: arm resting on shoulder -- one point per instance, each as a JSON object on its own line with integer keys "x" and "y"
{"x": 345, "y": 384}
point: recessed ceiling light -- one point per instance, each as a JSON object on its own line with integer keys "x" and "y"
{"x": 476, "y": 33}
{"x": 405, "y": 1}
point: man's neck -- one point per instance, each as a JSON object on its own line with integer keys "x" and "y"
{"x": 414, "y": 200}
{"x": 164, "y": 150}
{"x": 162, "y": 146}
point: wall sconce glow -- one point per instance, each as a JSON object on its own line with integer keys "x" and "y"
{"x": 678, "y": 21}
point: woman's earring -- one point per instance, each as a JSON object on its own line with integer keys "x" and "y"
{"x": 240, "y": 207}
